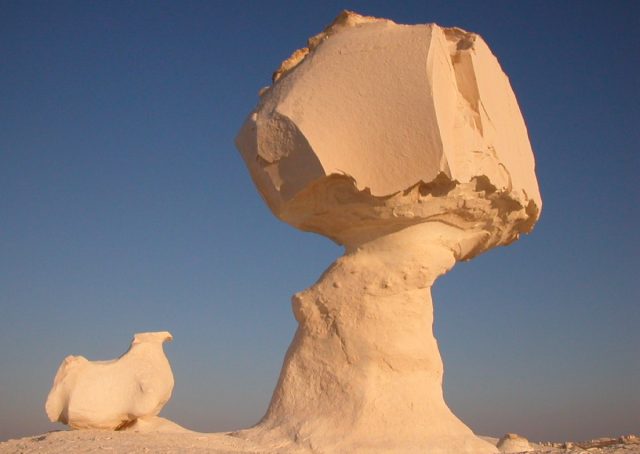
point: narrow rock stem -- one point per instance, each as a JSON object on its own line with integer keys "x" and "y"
{"x": 363, "y": 372}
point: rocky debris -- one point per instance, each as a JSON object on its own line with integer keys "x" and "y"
{"x": 622, "y": 445}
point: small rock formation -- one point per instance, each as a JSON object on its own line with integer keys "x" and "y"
{"x": 113, "y": 394}
{"x": 511, "y": 443}
{"x": 406, "y": 145}
{"x": 629, "y": 439}
{"x": 155, "y": 424}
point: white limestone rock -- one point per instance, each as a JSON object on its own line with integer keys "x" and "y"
{"x": 384, "y": 109}
{"x": 406, "y": 145}
{"x": 155, "y": 424}
{"x": 512, "y": 443}
{"x": 113, "y": 394}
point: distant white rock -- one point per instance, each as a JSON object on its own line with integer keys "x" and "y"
{"x": 512, "y": 443}
{"x": 113, "y": 394}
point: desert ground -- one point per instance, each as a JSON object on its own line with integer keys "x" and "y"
{"x": 90, "y": 441}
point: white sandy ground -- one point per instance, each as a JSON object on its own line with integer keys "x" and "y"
{"x": 94, "y": 441}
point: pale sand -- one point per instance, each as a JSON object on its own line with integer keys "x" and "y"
{"x": 86, "y": 441}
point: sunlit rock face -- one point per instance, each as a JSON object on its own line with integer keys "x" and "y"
{"x": 113, "y": 394}
{"x": 380, "y": 123}
{"x": 512, "y": 443}
{"x": 405, "y": 144}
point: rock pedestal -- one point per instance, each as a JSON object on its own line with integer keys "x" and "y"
{"x": 405, "y": 144}
{"x": 364, "y": 373}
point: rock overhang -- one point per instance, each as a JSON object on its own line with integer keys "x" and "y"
{"x": 365, "y": 127}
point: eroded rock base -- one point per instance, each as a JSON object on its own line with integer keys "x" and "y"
{"x": 363, "y": 373}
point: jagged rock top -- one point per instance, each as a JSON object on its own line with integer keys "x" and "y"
{"x": 387, "y": 107}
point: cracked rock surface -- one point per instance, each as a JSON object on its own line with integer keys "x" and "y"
{"x": 389, "y": 107}
{"x": 405, "y": 144}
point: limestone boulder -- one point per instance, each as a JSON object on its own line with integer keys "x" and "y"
{"x": 113, "y": 394}
{"x": 376, "y": 123}
{"x": 513, "y": 443}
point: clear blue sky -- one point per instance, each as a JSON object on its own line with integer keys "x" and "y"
{"x": 125, "y": 207}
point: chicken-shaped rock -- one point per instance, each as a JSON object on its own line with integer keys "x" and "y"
{"x": 113, "y": 394}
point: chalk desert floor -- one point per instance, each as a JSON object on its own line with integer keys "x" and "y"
{"x": 65, "y": 442}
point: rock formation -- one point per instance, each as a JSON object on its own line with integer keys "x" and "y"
{"x": 113, "y": 394}
{"x": 512, "y": 443}
{"x": 406, "y": 145}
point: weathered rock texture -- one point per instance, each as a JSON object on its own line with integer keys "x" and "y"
{"x": 113, "y": 394}
{"x": 406, "y": 145}
{"x": 512, "y": 443}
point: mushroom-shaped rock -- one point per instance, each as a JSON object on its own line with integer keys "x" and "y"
{"x": 511, "y": 443}
{"x": 406, "y": 145}
{"x": 377, "y": 123}
{"x": 113, "y": 394}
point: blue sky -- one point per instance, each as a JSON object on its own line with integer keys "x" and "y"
{"x": 125, "y": 207}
